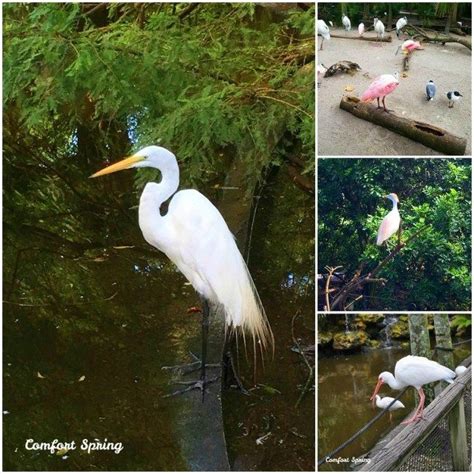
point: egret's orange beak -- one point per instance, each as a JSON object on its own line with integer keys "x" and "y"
{"x": 121, "y": 165}
{"x": 377, "y": 388}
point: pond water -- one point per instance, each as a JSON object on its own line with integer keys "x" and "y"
{"x": 85, "y": 343}
{"x": 345, "y": 384}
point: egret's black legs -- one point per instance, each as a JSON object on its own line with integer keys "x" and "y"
{"x": 205, "y": 334}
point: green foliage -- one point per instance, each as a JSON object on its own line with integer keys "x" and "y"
{"x": 434, "y": 270}
{"x": 461, "y": 322}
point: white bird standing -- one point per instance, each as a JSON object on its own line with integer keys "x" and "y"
{"x": 414, "y": 371}
{"x": 391, "y": 221}
{"x": 346, "y": 22}
{"x": 361, "y": 29}
{"x": 401, "y": 23}
{"x": 195, "y": 237}
{"x": 385, "y": 402}
{"x": 323, "y": 30}
{"x": 379, "y": 28}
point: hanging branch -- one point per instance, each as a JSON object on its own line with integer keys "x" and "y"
{"x": 357, "y": 281}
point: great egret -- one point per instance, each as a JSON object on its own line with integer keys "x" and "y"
{"x": 323, "y": 30}
{"x": 346, "y": 22}
{"x": 391, "y": 221}
{"x": 414, "y": 371}
{"x": 380, "y": 88}
{"x": 379, "y": 28}
{"x": 195, "y": 237}
{"x": 401, "y": 23}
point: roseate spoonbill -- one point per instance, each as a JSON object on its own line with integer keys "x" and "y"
{"x": 380, "y": 88}
{"x": 409, "y": 46}
{"x": 460, "y": 369}
{"x": 379, "y": 28}
{"x": 346, "y": 22}
{"x": 195, "y": 237}
{"x": 401, "y": 23}
{"x": 430, "y": 90}
{"x": 361, "y": 29}
{"x": 391, "y": 222}
{"x": 385, "y": 402}
{"x": 414, "y": 371}
{"x": 323, "y": 30}
{"x": 453, "y": 96}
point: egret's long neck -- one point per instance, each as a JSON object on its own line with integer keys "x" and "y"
{"x": 153, "y": 196}
{"x": 393, "y": 382}
{"x": 394, "y": 204}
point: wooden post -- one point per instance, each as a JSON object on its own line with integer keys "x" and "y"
{"x": 420, "y": 345}
{"x": 458, "y": 437}
{"x": 429, "y": 135}
{"x": 444, "y": 344}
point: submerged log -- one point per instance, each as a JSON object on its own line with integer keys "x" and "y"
{"x": 429, "y": 135}
{"x": 386, "y": 39}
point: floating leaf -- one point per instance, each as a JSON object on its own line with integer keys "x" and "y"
{"x": 38, "y": 374}
{"x": 82, "y": 378}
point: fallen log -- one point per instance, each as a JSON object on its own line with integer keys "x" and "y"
{"x": 387, "y": 39}
{"x": 436, "y": 37}
{"x": 429, "y": 135}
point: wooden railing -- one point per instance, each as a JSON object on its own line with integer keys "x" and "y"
{"x": 401, "y": 442}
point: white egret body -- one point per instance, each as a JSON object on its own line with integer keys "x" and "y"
{"x": 414, "y": 371}
{"x": 401, "y": 23}
{"x": 391, "y": 221}
{"x": 323, "y": 30}
{"x": 379, "y": 28}
{"x": 195, "y": 237}
{"x": 385, "y": 402}
{"x": 346, "y": 22}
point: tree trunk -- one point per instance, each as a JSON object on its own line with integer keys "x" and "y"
{"x": 444, "y": 344}
{"x": 420, "y": 345}
{"x": 429, "y": 135}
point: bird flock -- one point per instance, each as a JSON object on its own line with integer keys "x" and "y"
{"x": 386, "y": 83}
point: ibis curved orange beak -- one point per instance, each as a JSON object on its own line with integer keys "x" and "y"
{"x": 377, "y": 388}
{"x": 121, "y": 165}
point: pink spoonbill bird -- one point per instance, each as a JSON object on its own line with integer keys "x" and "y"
{"x": 409, "y": 46}
{"x": 361, "y": 29}
{"x": 414, "y": 371}
{"x": 385, "y": 402}
{"x": 391, "y": 222}
{"x": 380, "y": 88}
{"x": 323, "y": 30}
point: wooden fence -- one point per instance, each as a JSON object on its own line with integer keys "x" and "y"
{"x": 400, "y": 443}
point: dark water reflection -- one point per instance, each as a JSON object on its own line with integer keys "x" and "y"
{"x": 345, "y": 384}
{"x": 82, "y": 359}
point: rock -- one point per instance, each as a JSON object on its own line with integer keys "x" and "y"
{"x": 349, "y": 341}
{"x": 324, "y": 338}
{"x": 369, "y": 318}
{"x": 399, "y": 330}
{"x": 373, "y": 343}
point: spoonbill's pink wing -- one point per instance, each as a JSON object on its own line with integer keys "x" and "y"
{"x": 382, "y": 86}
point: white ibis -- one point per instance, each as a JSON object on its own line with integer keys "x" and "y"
{"x": 391, "y": 222}
{"x": 323, "y": 30}
{"x": 379, "y": 28}
{"x": 385, "y": 402}
{"x": 401, "y": 23}
{"x": 414, "y": 371}
{"x": 346, "y": 22}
